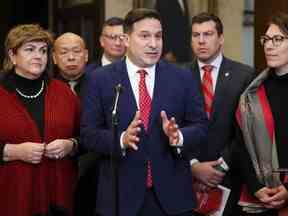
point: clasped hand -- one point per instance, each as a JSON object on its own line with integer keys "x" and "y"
{"x": 273, "y": 197}
{"x": 58, "y": 148}
{"x": 32, "y": 152}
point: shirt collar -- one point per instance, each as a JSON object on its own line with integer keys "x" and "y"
{"x": 215, "y": 63}
{"x": 133, "y": 69}
{"x": 105, "y": 60}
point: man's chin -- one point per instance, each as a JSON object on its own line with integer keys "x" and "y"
{"x": 72, "y": 74}
{"x": 204, "y": 58}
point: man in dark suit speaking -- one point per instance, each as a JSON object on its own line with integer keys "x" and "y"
{"x": 161, "y": 121}
{"x": 222, "y": 81}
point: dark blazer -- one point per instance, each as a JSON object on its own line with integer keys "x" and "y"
{"x": 90, "y": 68}
{"x": 79, "y": 86}
{"x": 232, "y": 80}
{"x": 176, "y": 92}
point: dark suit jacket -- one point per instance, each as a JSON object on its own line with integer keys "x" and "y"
{"x": 90, "y": 68}
{"x": 88, "y": 166}
{"x": 79, "y": 86}
{"x": 232, "y": 80}
{"x": 176, "y": 92}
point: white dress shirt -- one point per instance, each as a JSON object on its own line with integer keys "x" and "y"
{"x": 216, "y": 63}
{"x": 105, "y": 60}
{"x": 134, "y": 78}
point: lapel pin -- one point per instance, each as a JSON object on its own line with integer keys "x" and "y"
{"x": 227, "y": 74}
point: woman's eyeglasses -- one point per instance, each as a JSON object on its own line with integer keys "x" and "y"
{"x": 277, "y": 40}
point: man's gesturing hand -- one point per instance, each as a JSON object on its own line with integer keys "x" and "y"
{"x": 170, "y": 128}
{"x": 130, "y": 137}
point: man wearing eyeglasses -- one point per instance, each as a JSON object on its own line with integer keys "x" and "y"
{"x": 222, "y": 80}
{"x": 111, "y": 41}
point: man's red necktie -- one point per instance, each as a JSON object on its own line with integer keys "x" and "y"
{"x": 145, "y": 109}
{"x": 207, "y": 88}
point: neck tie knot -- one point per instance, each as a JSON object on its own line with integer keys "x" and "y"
{"x": 207, "y": 68}
{"x": 142, "y": 73}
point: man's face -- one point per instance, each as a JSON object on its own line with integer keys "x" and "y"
{"x": 276, "y": 51}
{"x": 205, "y": 42}
{"x": 70, "y": 55}
{"x": 112, "y": 43}
{"x": 144, "y": 43}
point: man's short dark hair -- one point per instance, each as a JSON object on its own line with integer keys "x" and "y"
{"x": 279, "y": 19}
{"x": 206, "y": 17}
{"x": 113, "y": 21}
{"x": 138, "y": 14}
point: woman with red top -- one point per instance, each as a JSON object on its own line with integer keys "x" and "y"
{"x": 39, "y": 120}
{"x": 263, "y": 120}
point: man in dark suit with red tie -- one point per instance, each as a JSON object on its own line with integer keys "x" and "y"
{"x": 161, "y": 121}
{"x": 222, "y": 80}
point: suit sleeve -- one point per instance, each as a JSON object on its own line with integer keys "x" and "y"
{"x": 95, "y": 132}
{"x": 195, "y": 126}
{"x": 2, "y": 153}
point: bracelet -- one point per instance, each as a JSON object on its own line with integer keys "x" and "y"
{"x": 75, "y": 144}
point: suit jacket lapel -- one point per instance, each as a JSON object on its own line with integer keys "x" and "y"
{"x": 159, "y": 88}
{"x": 127, "y": 102}
{"x": 222, "y": 81}
{"x": 195, "y": 70}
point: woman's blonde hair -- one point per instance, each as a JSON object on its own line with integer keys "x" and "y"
{"x": 21, "y": 34}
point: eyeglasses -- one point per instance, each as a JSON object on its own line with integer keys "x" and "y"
{"x": 277, "y": 40}
{"x": 114, "y": 37}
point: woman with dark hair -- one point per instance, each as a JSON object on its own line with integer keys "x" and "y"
{"x": 39, "y": 120}
{"x": 263, "y": 119}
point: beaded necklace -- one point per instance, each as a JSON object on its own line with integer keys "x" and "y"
{"x": 31, "y": 96}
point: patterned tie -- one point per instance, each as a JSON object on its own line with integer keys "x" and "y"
{"x": 72, "y": 85}
{"x": 207, "y": 88}
{"x": 144, "y": 99}
{"x": 145, "y": 108}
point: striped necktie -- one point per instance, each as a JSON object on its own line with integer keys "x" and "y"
{"x": 207, "y": 88}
